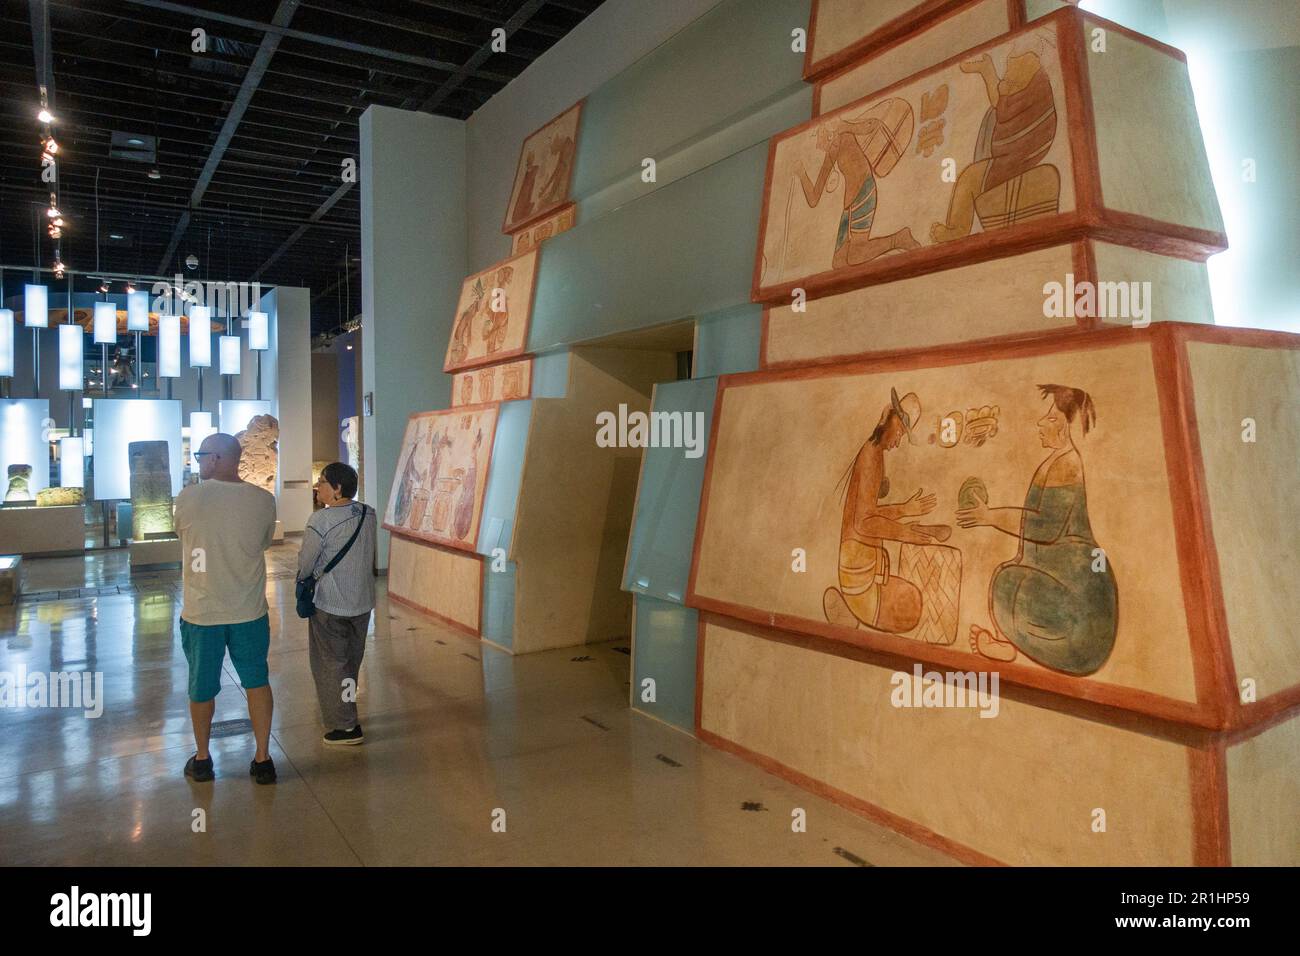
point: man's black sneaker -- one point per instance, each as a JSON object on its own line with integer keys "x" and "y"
{"x": 337, "y": 737}
{"x": 200, "y": 771}
{"x": 263, "y": 772}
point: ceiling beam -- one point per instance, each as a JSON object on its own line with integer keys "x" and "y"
{"x": 411, "y": 58}
{"x": 298, "y": 233}
{"x": 256, "y": 70}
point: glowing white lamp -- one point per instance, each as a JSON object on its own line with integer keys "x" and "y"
{"x": 72, "y": 342}
{"x": 137, "y": 312}
{"x": 259, "y": 332}
{"x": 228, "y": 354}
{"x": 36, "y": 307}
{"x": 6, "y": 342}
{"x": 72, "y": 462}
{"x": 105, "y": 323}
{"x": 200, "y": 337}
{"x": 200, "y": 428}
{"x": 169, "y": 346}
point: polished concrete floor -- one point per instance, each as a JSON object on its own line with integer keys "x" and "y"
{"x": 455, "y": 731}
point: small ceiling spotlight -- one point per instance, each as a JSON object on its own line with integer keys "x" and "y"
{"x": 155, "y": 173}
{"x": 55, "y": 232}
{"x": 59, "y": 267}
{"x": 191, "y": 261}
{"x": 53, "y": 212}
{"x": 45, "y": 116}
{"x": 51, "y": 146}
{"x": 130, "y": 288}
{"x": 103, "y": 287}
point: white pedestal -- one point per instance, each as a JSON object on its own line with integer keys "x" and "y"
{"x": 153, "y": 555}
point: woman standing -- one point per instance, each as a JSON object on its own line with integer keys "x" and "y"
{"x": 344, "y": 598}
{"x": 1056, "y": 600}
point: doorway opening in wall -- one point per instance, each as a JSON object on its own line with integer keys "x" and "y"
{"x": 580, "y": 490}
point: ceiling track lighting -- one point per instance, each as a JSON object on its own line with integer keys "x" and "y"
{"x": 45, "y": 116}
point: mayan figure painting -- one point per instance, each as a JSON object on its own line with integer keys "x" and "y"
{"x": 545, "y": 172}
{"x": 969, "y": 149}
{"x": 492, "y": 314}
{"x": 496, "y": 383}
{"x": 1029, "y": 529}
{"x": 441, "y": 475}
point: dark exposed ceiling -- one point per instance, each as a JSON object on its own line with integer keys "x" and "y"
{"x": 251, "y": 134}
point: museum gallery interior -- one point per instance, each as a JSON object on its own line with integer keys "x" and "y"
{"x": 802, "y": 432}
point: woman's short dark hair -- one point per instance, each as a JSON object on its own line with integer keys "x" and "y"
{"x": 342, "y": 477}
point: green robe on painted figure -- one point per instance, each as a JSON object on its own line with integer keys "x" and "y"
{"x": 1057, "y": 601}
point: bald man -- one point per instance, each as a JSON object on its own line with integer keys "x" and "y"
{"x": 225, "y": 526}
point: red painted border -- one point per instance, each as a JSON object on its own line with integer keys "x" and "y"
{"x": 498, "y": 357}
{"x": 1208, "y": 775}
{"x": 1207, "y": 631}
{"x": 497, "y": 401}
{"x": 1015, "y": 13}
{"x": 560, "y": 211}
{"x": 902, "y": 27}
{"x": 1088, "y": 220}
{"x": 407, "y": 533}
{"x": 507, "y": 226}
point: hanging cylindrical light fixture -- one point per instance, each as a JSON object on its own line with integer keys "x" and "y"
{"x": 36, "y": 307}
{"x": 72, "y": 462}
{"x": 200, "y": 337}
{"x": 169, "y": 346}
{"x": 228, "y": 354}
{"x": 72, "y": 344}
{"x": 105, "y": 323}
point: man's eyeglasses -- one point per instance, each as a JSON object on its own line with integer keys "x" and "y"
{"x": 200, "y": 454}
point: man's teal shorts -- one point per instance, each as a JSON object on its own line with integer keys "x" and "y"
{"x": 205, "y": 650}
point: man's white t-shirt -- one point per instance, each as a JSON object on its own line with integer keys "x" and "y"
{"x": 232, "y": 522}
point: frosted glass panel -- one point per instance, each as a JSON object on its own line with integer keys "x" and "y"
{"x": 120, "y": 421}
{"x": 6, "y": 342}
{"x": 233, "y": 414}
{"x": 507, "y": 470}
{"x": 664, "y": 649}
{"x": 668, "y": 500}
{"x": 259, "y": 337}
{"x": 200, "y": 428}
{"x": 72, "y": 341}
{"x": 72, "y": 463}
{"x": 23, "y": 440}
{"x": 169, "y": 346}
{"x": 36, "y": 306}
{"x": 105, "y": 323}
{"x": 137, "y": 312}
{"x": 200, "y": 337}
{"x": 229, "y": 354}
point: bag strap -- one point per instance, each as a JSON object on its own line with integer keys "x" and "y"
{"x": 365, "y": 510}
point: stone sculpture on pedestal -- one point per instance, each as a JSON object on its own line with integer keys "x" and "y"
{"x": 151, "y": 489}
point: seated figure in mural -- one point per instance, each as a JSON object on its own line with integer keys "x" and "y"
{"x": 497, "y": 323}
{"x": 410, "y": 481}
{"x": 524, "y": 202}
{"x": 1018, "y": 130}
{"x": 556, "y": 187}
{"x": 868, "y": 593}
{"x": 468, "y": 485}
{"x": 463, "y": 331}
{"x": 1055, "y": 600}
{"x": 848, "y": 145}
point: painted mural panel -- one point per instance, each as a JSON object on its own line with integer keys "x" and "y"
{"x": 545, "y": 172}
{"x": 441, "y": 474}
{"x": 534, "y": 235}
{"x": 839, "y": 27}
{"x": 1011, "y": 509}
{"x": 492, "y": 314}
{"x": 864, "y": 186}
{"x": 494, "y": 383}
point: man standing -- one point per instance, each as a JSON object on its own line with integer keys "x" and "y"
{"x": 225, "y": 526}
{"x": 344, "y": 597}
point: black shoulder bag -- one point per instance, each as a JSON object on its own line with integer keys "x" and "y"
{"x": 305, "y": 590}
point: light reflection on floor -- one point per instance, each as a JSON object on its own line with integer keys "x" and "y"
{"x": 450, "y": 739}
